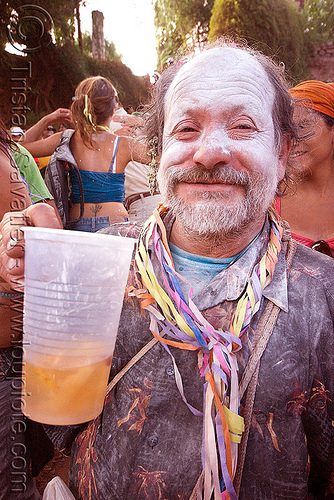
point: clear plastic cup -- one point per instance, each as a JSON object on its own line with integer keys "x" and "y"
{"x": 74, "y": 289}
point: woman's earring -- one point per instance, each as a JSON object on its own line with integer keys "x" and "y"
{"x": 153, "y": 165}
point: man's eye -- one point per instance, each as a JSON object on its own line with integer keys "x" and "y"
{"x": 187, "y": 129}
{"x": 242, "y": 131}
{"x": 185, "y": 133}
{"x": 243, "y": 126}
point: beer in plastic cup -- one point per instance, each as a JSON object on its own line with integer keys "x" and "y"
{"x": 74, "y": 289}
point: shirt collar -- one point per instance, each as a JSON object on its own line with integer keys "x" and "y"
{"x": 230, "y": 283}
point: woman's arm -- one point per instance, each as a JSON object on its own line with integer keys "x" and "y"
{"x": 44, "y": 147}
{"x": 13, "y": 197}
{"x": 34, "y": 133}
{"x": 132, "y": 150}
{"x": 139, "y": 151}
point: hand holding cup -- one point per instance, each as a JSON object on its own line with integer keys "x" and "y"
{"x": 12, "y": 240}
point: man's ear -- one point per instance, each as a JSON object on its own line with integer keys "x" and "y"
{"x": 286, "y": 144}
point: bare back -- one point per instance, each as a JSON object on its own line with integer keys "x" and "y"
{"x": 98, "y": 158}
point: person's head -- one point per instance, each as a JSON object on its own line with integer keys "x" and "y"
{"x": 50, "y": 130}
{"x": 63, "y": 126}
{"x": 16, "y": 133}
{"x": 129, "y": 109}
{"x": 224, "y": 126}
{"x": 314, "y": 119}
{"x": 93, "y": 106}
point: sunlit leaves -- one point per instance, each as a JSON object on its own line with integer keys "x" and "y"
{"x": 273, "y": 26}
{"x": 180, "y": 24}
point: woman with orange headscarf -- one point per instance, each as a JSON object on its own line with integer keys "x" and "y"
{"x": 309, "y": 205}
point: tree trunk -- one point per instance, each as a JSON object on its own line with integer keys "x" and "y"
{"x": 77, "y": 15}
{"x": 98, "y": 44}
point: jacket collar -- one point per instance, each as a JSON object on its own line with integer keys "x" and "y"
{"x": 230, "y": 283}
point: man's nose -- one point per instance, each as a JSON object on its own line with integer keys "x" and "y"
{"x": 213, "y": 149}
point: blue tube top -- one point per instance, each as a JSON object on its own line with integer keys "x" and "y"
{"x": 98, "y": 187}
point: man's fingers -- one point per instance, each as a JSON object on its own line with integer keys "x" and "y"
{"x": 12, "y": 238}
{"x": 11, "y": 270}
{"x": 11, "y": 242}
{"x": 42, "y": 215}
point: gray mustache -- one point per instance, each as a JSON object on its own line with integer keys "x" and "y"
{"x": 201, "y": 174}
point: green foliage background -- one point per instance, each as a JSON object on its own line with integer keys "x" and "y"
{"x": 319, "y": 20}
{"x": 277, "y": 27}
{"x": 273, "y": 26}
{"x": 179, "y": 24}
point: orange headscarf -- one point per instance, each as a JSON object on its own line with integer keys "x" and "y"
{"x": 318, "y": 96}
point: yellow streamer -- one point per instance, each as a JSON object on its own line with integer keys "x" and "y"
{"x": 235, "y": 424}
{"x": 90, "y": 119}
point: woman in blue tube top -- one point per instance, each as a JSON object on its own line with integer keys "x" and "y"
{"x": 100, "y": 155}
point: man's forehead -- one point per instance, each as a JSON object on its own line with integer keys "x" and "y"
{"x": 217, "y": 69}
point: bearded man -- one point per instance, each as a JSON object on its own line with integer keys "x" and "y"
{"x": 231, "y": 393}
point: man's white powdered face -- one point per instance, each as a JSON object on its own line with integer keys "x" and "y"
{"x": 220, "y": 165}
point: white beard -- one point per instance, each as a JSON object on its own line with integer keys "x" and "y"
{"x": 210, "y": 216}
